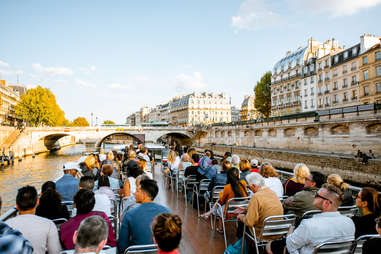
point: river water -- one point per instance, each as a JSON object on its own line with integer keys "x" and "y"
{"x": 36, "y": 171}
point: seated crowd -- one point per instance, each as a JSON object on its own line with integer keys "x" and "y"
{"x": 93, "y": 185}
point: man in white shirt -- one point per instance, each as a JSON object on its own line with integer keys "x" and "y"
{"x": 41, "y": 232}
{"x": 328, "y": 226}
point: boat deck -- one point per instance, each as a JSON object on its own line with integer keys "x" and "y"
{"x": 197, "y": 235}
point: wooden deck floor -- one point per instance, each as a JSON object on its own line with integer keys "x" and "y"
{"x": 198, "y": 237}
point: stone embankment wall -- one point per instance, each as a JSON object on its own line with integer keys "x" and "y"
{"x": 344, "y": 165}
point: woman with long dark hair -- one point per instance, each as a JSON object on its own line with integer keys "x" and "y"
{"x": 50, "y": 206}
{"x": 234, "y": 187}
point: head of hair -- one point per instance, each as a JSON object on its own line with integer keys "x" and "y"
{"x": 133, "y": 169}
{"x": 235, "y": 160}
{"x": 185, "y": 158}
{"x": 131, "y": 154}
{"x": 268, "y": 170}
{"x": 195, "y": 157}
{"x": 50, "y": 200}
{"x": 172, "y": 156}
{"x": 142, "y": 163}
{"x": 301, "y": 171}
{"x": 150, "y": 187}
{"x": 144, "y": 149}
{"x": 244, "y": 165}
{"x": 48, "y": 185}
{"x": 110, "y": 156}
{"x": 107, "y": 169}
{"x": 167, "y": 231}
{"x": 233, "y": 180}
{"x": 207, "y": 153}
{"x": 82, "y": 165}
{"x": 84, "y": 201}
{"x": 227, "y": 154}
{"x": 371, "y": 196}
{"x": 191, "y": 151}
{"x": 103, "y": 181}
{"x": 226, "y": 166}
{"x": 255, "y": 179}
{"x": 214, "y": 162}
{"x": 86, "y": 182}
{"x": 91, "y": 232}
{"x": 334, "y": 193}
{"x": 26, "y": 198}
{"x": 318, "y": 178}
{"x": 141, "y": 178}
{"x": 336, "y": 180}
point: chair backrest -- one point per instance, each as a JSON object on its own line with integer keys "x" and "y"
{"x": 348, "y": 211}
{"x": 59, "y": 221}
{"x": 204, "y": 183}
{"x": 70, "y": 206}
{"x": 357, "y": 249}
{"x": 277, "y": 225}
{"x": 342, "y": 247}
{"x": 234, "y": 203}
{"x": 309, "y": 214}
{"x": 215, "y": 193}
{"x": 147, "y": 248}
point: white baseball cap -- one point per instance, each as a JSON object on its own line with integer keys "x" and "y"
{"x": 254, "y": 162}
{"x": 71, "y": 165}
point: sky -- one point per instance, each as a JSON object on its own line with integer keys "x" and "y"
{"x": 111, "y": 58}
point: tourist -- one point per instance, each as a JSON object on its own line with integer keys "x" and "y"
{"x": 205, "y": 167}
{"x": 166, "y": 230}
{"x": 296, "y": 183}
{"x": 12, "y": 241}
{"x": 107, "y": 170}
{"x": 92, "y": 164}
{"x": 216, "y": 168}
{"x": 129, "y": 186}
{"x": 41, "y": 232}
{"x": 303, "y": 200}
{"x": 47, "y": 185}
{"x": 226, "y": 156}
{"x": 262, "y": 204}
{"x": 84, "y": 201}
{"x": 235, "y": 161}
{"x": 110, "y": 160}
{"x": 142, "y": 163}
{"x": 254, "y": 166}
{"x": 136, "y": 224}
{"x": 372, "y": 245}
{"x": 336, "y": 180}
{"x": 371, "y": 155}
{"x": 102, "y": 202}
{"x": 221, "y": 178}
{"x": 104, "y": 187}
{"x": 50, "y": 206}
{"x": 271, "y": 178}
{"x": 144, "y": 154}
{"x": 244, "y": 166}
{"x": 173, "y": 162}
{"x": 91, "y": 235}
{"x": 191, "y": 151}
{"x": 67, "y": 185}
{"x": 327, "y": 226}
{"x": 130, "y": 202}
{"x": 186, "y": 161}
{"x": 369, "y": 202}
{"x": 192, "y": 170}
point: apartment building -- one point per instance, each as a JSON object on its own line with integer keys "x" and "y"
{"x": 248, "y": 110}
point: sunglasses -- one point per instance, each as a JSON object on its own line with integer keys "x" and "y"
{"x": 317, "y": 195}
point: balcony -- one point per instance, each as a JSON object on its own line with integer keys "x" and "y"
{"x": 366, "y": 94}
{"x": 345, "y": 71}
{"x": 327, "y": 104}
{"x": 320, "y": 106}
{"x": 320, "y": 69}
{"x": 335, "y": 102}
{"x": 353, "y": 68}
{"x": 320, "y": 93}
{"x": 320, "y": 80}
{"x": 334, "y": 75}
{"x": 345, "y": 85}
{"x": 345, "y": 100}
{"x": 354, "y": 98}
{"x": 296, "y": 103}
{"x": 326, "y": 91}
{"x": 335, "y": 88}
{"x": 326, "y": 78}
{"x": 354, "y": 83}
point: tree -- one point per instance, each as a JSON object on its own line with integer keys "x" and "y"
{"x": 80, "y": 121}
{"x": 263, "y": 95}
{"x": 108, "y": 122}
{"x": 38, "y": 106}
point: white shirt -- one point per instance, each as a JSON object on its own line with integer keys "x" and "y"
{"x": 102, "y": 204}
{"x": 321, "y": 228}
{"x": 275, "y": 185}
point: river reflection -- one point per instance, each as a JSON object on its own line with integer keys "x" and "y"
{"x": 35, "y": 172}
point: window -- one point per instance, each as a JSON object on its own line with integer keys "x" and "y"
{"x": 335, "y": 98}
{"x": 312, "y": 67}
{"x": 366, "y": 90}
{"x": 305, "y": 82}
{"x": 305, "y": 92}
{"x": 320, "y": 65}
{"x": 345, "y": 82}
{"x": 335, "y": 59}
{"x": 354, "y": 66}
{"x": 345, "y": 54}
{"x": 345, "y": 69}
{"x": 327, "y": 63}
{"x": 327, "y": 76}
{"x": 312, "y": 91}
{"x": 312, "y": 103}
{"x": 354, "y": 79}
{"x": 366, "y": 75}
{"x": 320, "y": 77}
{"x": 378, "y": 55}
{"x": 345, "y": 97}
{"x": 378, "y": 70}
{"x": 312, "y": 80}
{"x": 378, "y": 88}
{"x": 364, "y": 60}
{"x": 305, "y": 104}
{"x": 335, "y": 86}
{"x": 354, "y": 51}
{"x": 305, "y": 69}
{"x": 335, "y": 73}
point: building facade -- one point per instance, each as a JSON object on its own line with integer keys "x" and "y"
{"x": 200, "y": 108}
{"x": 248, "y": 110}
{"x": 8, "y": 102}
{"x": 370, "y": 76}
{"x": 236, "y": 114}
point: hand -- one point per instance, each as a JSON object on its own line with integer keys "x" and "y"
{"x": 240, "y": 217}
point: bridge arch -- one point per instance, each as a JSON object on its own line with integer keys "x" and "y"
{"x": 50, "y": 141}
{"x": 180, "y": 138}
{"x": 136, "y": 138}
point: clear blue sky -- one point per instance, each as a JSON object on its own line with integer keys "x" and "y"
{"x": 112, "y": 57}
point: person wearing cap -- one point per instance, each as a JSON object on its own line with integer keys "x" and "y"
{"x": 254, "y": 166}
{"x": 67, "y": 185}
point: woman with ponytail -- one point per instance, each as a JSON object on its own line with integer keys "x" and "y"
{"x": 336, "y": 180}
{"x": 369, "y": 203}
{"x": 166, "y": 230}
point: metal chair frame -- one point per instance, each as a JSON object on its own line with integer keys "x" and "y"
{"x": 188, "y": 186}
{"x": 348, "y": 211}
{"x": 214, "y": 197}
{"x": 146, "y": 248}
{"x": 357, "y": 248}
{"x": 272, "y": 226}
{"x": 199, "y": 190}
{"x": 342, "y": 247}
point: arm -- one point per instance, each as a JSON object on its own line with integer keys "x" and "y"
{"x": 53, "y": 242}
{"x": 223, "y": 196}
{"x": 211, "y": 184}
{"x": 251, "y": 218}
{"x": 298, "y": 239}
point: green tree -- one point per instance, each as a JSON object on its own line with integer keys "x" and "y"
{"x": 108, "y": 122}
{"x": 38, "y": 106}
{"x": 80, "y": 121}
{"x": 263, "y": 95}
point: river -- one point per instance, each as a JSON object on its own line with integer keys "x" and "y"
{"x": 36, "y": 171}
